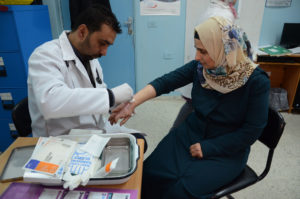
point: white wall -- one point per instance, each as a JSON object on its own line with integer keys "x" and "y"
{"x": 55, "y": 13}
{"x": 194, "y": 10}
{"x": 251, "y": 15}
{"x": 273, "y": 21}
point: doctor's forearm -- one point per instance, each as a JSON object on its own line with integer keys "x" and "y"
{"x": 88, "y": 100}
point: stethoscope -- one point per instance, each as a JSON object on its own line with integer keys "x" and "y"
{"x": 98, "y": 79}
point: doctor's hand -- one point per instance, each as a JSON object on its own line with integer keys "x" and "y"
{"x": 196, "y": 151}
{"x": 123, "y": 111}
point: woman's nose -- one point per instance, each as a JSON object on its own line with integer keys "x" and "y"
{"x": 198, "y": 56}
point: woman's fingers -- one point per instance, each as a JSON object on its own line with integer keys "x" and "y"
{"x": 124, "y": 120}
{"x": 111, "y": 120}
{"x": 123, "y": 111}
{"x": 196, "y": 150}
{"x": 119, "y": 107}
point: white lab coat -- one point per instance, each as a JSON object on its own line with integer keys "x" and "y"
{"x": 62, "y": 97}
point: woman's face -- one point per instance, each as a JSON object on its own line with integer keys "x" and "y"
{"x": 202, "y": 55}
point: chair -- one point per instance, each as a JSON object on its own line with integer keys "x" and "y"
{"x": 21, "y": 118}
{"x": 270, "y": 138}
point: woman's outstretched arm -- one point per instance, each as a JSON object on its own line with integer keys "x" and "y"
{"x": 125, "y": 110}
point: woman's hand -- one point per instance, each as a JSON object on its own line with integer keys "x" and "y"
{"x": 123, "y": 111}
{"x": 196, "y": 151}
{"x": 126, "y": 110}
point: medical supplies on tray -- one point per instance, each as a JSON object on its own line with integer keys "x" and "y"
{"x": 114, "y": 164}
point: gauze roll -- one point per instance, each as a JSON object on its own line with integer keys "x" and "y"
{"x": 122, "y": 93}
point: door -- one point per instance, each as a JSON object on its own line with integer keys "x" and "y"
{"x": 118, "y": 64}
{"x": 159, "y": 43}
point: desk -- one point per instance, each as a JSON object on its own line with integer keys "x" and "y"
{"x": 284, "y": 75}
{"x": 134, "y": 182}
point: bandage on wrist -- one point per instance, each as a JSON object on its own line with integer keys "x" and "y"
{"x": 132, "y": 100}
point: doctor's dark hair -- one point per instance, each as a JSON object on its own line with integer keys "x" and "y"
{"x": 96, "y": 15}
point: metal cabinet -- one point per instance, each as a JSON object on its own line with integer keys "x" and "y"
{"x": 23, "y": 28}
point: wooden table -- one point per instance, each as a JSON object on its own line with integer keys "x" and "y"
{"x": 284, "y": 75}
{"x": 134, "y": 182}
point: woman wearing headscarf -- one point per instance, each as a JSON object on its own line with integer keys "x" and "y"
{"x": 222, "y": 8}
{"x": 230, "y": 100}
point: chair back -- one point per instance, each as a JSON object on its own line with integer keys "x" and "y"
{"x": 274, "y": 129}
{"x": 21, "y": 118}
{"x": 269, "y": 137}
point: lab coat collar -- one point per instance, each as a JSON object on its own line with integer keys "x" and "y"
{"x": 66, "y": 47}
{"x": 69, "y": 55}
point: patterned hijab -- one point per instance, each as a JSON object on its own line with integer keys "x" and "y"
{"x": 225, "y": 44}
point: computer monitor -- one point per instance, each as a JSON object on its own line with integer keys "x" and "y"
{"x": 290, "y": 37}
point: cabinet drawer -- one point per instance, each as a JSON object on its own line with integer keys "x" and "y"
{"x": 9, "y": 98}
{"x": 13, "y": 71}
{"x": 6, "y": 126}
{"x": 8, "y": 34}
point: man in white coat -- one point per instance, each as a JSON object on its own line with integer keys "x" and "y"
{"x": 65, "y": 81}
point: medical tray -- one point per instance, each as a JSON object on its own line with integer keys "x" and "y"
{"x": 122, "y": 145}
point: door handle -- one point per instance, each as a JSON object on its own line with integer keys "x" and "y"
{"x": 3, "y": 71}
{"x": 2, "y": 68}
{"x": 129, "y": 24}
{"x": 7, "y": 101}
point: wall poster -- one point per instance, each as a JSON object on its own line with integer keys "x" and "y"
{"x": 160, "y": 7}
{"x": 278, "y": 3}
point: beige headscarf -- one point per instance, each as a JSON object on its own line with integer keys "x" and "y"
{"x": 224, "y": 44}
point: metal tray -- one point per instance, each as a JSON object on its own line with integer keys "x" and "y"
{"x": 117, "y": 148}
{"x": 14, "y": 166}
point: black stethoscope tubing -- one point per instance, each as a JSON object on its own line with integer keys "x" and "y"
{"x": 98, "y": 79}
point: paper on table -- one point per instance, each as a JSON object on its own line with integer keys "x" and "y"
{"x": 275, "y": 50}
{"x": 51, "y": 156}
{"x": 51, "y": 193}
{"x": 295, "y": 50}
{"x": 97, "y": 195}
{"x": 74, "y": 194}
{"x": 120, "y": 195}
{"x": 86, "y": 132}
{"x": 35, "y": 191}
{"x": 82, "y": 161}
{"x": 56, "y": 150}
{"x": 95, "y": 145}
{"x": 116, "y": 128}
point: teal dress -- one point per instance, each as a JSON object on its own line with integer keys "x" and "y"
{"x": 224, "y": 124}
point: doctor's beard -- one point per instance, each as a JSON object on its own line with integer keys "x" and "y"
{"x": 86, "y": 45}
